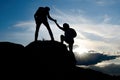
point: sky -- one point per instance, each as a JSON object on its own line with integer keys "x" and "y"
{"x": 97, "y": 23}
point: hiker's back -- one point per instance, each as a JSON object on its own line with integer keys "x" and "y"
{"x": 42, "y": 12}
{"x": 70, "y": 34}
{"x": 73, "y": 33}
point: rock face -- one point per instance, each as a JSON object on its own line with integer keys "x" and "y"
{"x": 51, "y": 58}
{"x": 51, "y": 53}
{"x": 43, "y": 60}
{"x": 11, "y": 49}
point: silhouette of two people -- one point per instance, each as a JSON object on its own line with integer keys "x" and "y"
{"x": 42, "y": 15}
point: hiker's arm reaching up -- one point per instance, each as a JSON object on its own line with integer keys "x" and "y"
{"x": 59, "y": 25}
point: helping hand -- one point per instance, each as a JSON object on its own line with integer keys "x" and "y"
{"x": 55, "y": 21}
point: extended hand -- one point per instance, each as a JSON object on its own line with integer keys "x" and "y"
{"x": 55, "y": 21}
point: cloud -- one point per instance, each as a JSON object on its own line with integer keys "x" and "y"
{"x": 71, "y": 16}
{"x": 92, "y": 36}
{"x": 107, "y": 18}
{"x": 112, "y": 69}
{"x": 104, "y": 2}
{"x": 92, "y": 58}
{"x": 101, "y": 37}
{"x": 25, "y": 25}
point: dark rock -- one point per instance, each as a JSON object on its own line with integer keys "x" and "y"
{"x": 44, "y": 60}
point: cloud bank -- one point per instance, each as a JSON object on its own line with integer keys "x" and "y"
{"x": 92, "y": 58}
{"x": 112, "y": 69}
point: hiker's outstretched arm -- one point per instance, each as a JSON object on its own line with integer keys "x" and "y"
{"x": 59, "y": 25}
{"x": 50, "y": 17}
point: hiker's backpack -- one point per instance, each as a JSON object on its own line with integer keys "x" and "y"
{"x": 73, "y": 32}
{"x": 40, "y": 11}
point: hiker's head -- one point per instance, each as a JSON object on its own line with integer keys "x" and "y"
{"x": 47, "y": 8}
{"x": 65, "y": 26}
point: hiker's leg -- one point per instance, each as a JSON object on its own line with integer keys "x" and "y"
{"x": 62, "y": 38}
{"x": 49, "y": 30}
{"x": 71, "y": 47}
{"x": 37, "y": 30}
{"x": 71, "y": 42}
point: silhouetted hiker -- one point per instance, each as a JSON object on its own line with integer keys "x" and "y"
{"x": 41, "y": 16}
{"x": 69, "y": 35}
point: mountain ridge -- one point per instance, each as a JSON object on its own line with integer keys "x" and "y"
{"x": 45, "y": 59}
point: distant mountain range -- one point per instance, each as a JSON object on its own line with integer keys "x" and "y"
{"x": 44, "y": 60}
